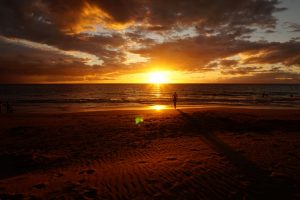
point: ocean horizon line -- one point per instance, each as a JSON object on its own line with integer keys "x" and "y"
{"x": 149, "y": 84}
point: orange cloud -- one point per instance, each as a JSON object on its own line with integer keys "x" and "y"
{"x": 88, "y": 17}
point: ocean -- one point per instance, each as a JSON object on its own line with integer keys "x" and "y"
{"x": 55, "y": 98}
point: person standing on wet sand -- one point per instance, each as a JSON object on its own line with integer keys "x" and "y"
{"x": 175, "y": 98}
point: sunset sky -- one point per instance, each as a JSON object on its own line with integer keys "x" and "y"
{"x": 124, "y": 41}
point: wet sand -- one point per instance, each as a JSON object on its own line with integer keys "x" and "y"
{"x": 213, "y": 153}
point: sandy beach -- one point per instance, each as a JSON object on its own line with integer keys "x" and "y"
{"x": 213, "y": 153}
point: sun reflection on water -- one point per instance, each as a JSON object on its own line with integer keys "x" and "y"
{"x": 158, "y": 107}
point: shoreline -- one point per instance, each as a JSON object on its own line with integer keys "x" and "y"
{"x": 64, "y": 110}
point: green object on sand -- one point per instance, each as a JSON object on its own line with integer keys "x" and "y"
{"x": 138, "y": 120}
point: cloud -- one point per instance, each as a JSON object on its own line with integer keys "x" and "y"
{"x": 241, "y": 70}
{"x": 22, "y": 60}
{"x": 198, "y": 51}
{"x": 73, "y": 16}
{"x": 228, "y": 63}
{"x": 286, "y": 53}
{"x": 84, "y": 40}
{"x": 266, "y": 77}
{"x": 45, "y": 22}
{"x": 248, "y": 12}
{"x": 293, "y": 26}
{"x": 19, "y": 46}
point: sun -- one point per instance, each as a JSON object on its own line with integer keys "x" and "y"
{"x": 158, "y": 77}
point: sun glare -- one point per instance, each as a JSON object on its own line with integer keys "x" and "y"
{"x": 158, "y": 77}
{"x": 158, "y": 107}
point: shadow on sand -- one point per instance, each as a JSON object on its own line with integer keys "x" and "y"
{"x": 12, "y": 165}
{"x": 262, "y": 185}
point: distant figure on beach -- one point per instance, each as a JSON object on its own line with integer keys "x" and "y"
{"x": 175, "y": 97}
{"x": 9, "y": 108}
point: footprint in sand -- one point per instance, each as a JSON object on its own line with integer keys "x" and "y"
{"x": 195, "y": 162}
{"x": 241, "y": 151}
{"x": 187, "y": 173}
{"x": 142, "y": 162}
{"x": 171, "y": 158}
{"x": 40, "y": 186}
{"x": 151, "y": 181}
{"x": 167, "y": 185}
{"x": 194, "y": 150}
{"x": 258, "y": 139}
{"x": 81, "y": 181}
{"x": 91, "y": 193}
{"x": 11, "y": 196}
{"x": 58, "y": 175}
{"x": 88, "y": 171}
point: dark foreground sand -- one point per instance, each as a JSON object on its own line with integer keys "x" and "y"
{"x": 174, "y": 154}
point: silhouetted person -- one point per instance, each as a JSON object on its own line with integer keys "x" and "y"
{"x": 9, "y": 108}
{"x": 0, "y": 106}
{"x": 175, "y": 98}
